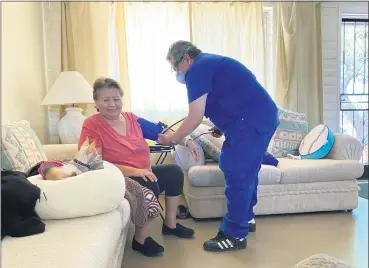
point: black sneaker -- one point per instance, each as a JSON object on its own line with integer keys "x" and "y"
{"x": 150, "y": 248}
{"x": 180, "y": 231}
{"x": 223, "y": 242}
{"x": 252, "y": 227}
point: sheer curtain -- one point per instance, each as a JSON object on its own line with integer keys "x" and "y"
{"x": 86, "y": 38}
{"x": 298, "y": 82}
{"x": 150, "y": 29}
{"x": 231, "y": 29}
{"x": 86, "y": 41}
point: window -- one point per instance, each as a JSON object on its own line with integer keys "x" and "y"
{"x": 354, "y": 81}
{"x": 150, "y": 29}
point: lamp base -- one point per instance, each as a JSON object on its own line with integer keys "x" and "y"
{"x": 70, "y": 126}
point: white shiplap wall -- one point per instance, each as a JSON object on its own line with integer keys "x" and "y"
{"x": 331, "y": 24}
{"x": 331, "y": 17}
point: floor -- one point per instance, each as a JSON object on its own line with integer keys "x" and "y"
{"x": 280, "y": 241}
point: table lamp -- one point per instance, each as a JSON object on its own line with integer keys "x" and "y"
{"x": 70, "y": 88}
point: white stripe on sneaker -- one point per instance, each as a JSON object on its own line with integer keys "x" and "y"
{"x": 229, "y": 243}
{"x": 220, "y": 245}
{"x": 224, "y": 243}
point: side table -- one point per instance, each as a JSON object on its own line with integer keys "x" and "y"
{"x": 162, "y": 150}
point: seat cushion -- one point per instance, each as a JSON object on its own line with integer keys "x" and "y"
{"x": 81, "y": 242}
{"x": 210, "y": 175}
{"x": 322, "y": 170}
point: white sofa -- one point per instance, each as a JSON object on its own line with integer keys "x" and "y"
{"x": 88, "y": 242}
{"x": 295, "y": 186}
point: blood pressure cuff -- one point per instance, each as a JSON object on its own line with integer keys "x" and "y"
{"x": 150, "y": 130}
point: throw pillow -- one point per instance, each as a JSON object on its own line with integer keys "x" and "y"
{"x": 90, "y": 193}
{"x": 322, "y": 261}
{"x": 317, "y": 143}
{"x": 211, "y": 145}
{"x": 183, "y": 157}
{"x": 20, "y": 147}
{"x": 207, "y": 122}
{"x": 292, "y": 129}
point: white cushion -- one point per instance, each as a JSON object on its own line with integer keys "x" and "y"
{"x": 322, "y": 170}
{"x": 88, "y": 242}
{"x": 87, "y": 194}
{"x": 211, "y": 175}
{"x": 183, "y": 157}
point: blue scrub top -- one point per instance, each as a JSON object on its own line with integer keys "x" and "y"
{"x": 234, "y": 94}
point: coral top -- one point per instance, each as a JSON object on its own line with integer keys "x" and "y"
{"x": 129, "y": 150}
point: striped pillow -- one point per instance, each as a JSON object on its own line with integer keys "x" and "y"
{"x": 292, "y": 129}
{"x": 20, "y": 147}
{"x": 211, "y": 146}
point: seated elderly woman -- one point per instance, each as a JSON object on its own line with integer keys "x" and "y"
{"x": 120, "y": 140}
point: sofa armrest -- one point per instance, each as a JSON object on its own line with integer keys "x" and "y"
{"x": 345, "y": 147}
{"x": 60, "y": 152}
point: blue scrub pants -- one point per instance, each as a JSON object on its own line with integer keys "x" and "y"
{"x": 240, "y": 160}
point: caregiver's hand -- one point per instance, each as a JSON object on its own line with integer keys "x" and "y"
{"x": 165, "y": 139}
{"x": 215, "y": 132}
{"x": 195, "y": 152}
{"x": 145, "y": 174}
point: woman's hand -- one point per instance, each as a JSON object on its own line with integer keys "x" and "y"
{"x": 194, "y": 149}
{"x": 145, "y": 174}
{"x": 216, "y": 132}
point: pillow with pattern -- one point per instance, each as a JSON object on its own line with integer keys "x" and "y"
{"x": 211, "y": 145}
{"x": 20, "y": 147}
{"x": 292, "y": 129}
{"x": 183, "y": 157}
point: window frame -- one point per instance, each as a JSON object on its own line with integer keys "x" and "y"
{"x": 350, "y": 17}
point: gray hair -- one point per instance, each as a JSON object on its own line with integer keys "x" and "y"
{"x": 102, "y": 83}
{"x": 180, "y": 48}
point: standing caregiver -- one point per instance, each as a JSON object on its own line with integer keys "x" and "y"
{"x": 228, "y": 93}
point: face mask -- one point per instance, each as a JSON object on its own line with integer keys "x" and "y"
{"x": 181, "y": 77}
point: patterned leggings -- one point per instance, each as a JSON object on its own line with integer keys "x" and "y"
{"x": 152, "y": 202}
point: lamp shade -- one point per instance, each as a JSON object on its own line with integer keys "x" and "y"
{"x": 69, "y": 88}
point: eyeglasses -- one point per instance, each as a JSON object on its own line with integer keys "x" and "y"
{"x": 175, "y": 66}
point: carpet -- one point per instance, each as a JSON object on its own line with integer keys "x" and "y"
{"x": 364, "y": 191}
{"x": 322, "y": 261}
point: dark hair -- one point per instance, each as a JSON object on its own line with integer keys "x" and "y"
{"x": 102, "y": 83}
